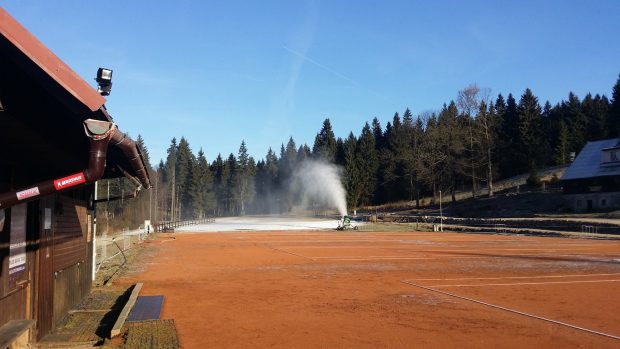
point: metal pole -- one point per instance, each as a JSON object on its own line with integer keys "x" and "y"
{"x": 94, "y": 271}
{"x": 107, "y": 211}
{"x": 150, "y": 204}
{"x": 440, "y": 213}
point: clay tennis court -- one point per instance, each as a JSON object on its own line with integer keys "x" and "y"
{"x": 385, "y": 290}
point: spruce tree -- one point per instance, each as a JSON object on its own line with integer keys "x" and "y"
{"x": 340, "y": 152}
{"x": 325, "y": 143}
{"x": 201, "y": 188}
{"x": 219, "y": 184}
{"x": 529, "y": 141}
{"x": 407, "y": 119}
{"x": 613, "y": 116}
{"x": 244, "y": 189}
{"x": 368, "y": 166}
{"x": 509, "y": 133}
{"x": 184, "y": 165}
{"x": 576, "y": 122}
{"x": 377, "y": 133}
{"x": 172, "y": 191}
{"x": 230, "y": 176}
{"x": 303, "y": 153}
{"x": 351, "y": 171}
{"x": 562, "y": 152}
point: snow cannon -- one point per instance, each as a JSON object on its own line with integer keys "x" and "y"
{"x": 345, "y": 224}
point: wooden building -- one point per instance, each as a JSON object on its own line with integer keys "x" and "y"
{"x": 56, "y": 140}
{"x": 592, "y": 181}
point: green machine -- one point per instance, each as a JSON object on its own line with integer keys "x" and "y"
{"x": 345, "y": 224}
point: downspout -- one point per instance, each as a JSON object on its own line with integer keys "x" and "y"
{"x": 100, "y": 134}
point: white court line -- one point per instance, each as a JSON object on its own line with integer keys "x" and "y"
{"x": 514, "y": 311}
{"x": 529, "y": 283}
{"x": 520, "y": 277}
{"x": 364, "y": 258}
{"x": 396, "y": 258}
{"x": 291, "y": 253}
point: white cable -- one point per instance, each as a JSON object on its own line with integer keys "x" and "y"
{"x": 512, "y": 310}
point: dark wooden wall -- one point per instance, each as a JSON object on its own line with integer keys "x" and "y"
{"x": 70, "y": 232}
{"x": 59, "y": 270}
{"x": 72, "y": 269}
{"x": 16, "y": 298}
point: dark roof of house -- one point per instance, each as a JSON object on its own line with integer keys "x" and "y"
{"x": 588, "y": 163}
{"x": 43, "y": 106}
{"x": 47, "y": 61}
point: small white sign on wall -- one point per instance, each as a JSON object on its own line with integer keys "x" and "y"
{"x": 17, "y": 245}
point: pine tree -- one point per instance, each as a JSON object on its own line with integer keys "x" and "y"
{"x": 290, "y": 156}
{"x": 219, "y": 184}
{"x": 171, "y": 161}
{"x": 546, "y": 148}
{"x": 509, "y": 134}
{"x": 368, "y": 166}
{"x": 598, "y": 118}
{"x": 184, "y": 165}
{"x": 398, "y": 145}
{"x": 288, "y": 161}
{"x": 351, "y": 171}
{"x": 201, "y": 193}
{"x": 229, "y": 174}
{"x": 244, "y": 178}
{"x": 340, "y": 152}
{"x": 144, "y": 151}
{"x": 451, "y": 141}
{"x": 561, "y": 153}
{"x": 407, "y": 119}
{"x": 303, "y": 153}
{"x": 576, "y": 122}
{"x": 527, "y": 155}
{"x": 325, "y": 143}
{"x": 613, "y": 116}
{"x": 378, "y": 133}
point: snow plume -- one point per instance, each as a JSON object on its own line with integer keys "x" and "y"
{"x": 318, "y": 185}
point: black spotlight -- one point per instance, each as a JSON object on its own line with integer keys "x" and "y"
{"x": 104, "y": 80}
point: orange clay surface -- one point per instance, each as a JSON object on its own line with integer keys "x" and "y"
{"x": 347, "y": 290}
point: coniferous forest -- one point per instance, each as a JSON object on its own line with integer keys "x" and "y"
{"x": 466, "y": 145}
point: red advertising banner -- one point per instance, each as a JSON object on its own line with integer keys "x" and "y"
{"x": 70, "y": 181}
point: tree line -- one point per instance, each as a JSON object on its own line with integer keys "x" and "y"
{"x": 468, "y": 144}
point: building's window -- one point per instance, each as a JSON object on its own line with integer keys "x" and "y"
{"x": 603, "y": 202}
{"x": 578, "y": 203}
{"x": 614, "y": 156}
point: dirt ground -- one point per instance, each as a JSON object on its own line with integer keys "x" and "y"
{"x": 385, "y": 290}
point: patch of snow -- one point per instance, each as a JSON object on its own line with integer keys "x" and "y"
{"x": 240, "y": 224}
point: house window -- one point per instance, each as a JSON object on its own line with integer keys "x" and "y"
{"x": 614, "y": 156}
{"x": 603, "y": 202}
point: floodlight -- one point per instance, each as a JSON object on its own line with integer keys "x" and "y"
{"x": 104, "y": 81}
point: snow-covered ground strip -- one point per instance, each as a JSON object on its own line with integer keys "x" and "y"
{"x": 262, "y": 224}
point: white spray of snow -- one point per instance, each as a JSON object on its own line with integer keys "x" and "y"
{"x": 319, "y": 185}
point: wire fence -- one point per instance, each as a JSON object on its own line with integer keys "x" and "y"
{"x": 111, "y": 247}
{"x": 171, "y": 225}
{"x": 110, "y": 250}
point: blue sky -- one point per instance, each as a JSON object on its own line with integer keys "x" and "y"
{"x": 219, "y": 72}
